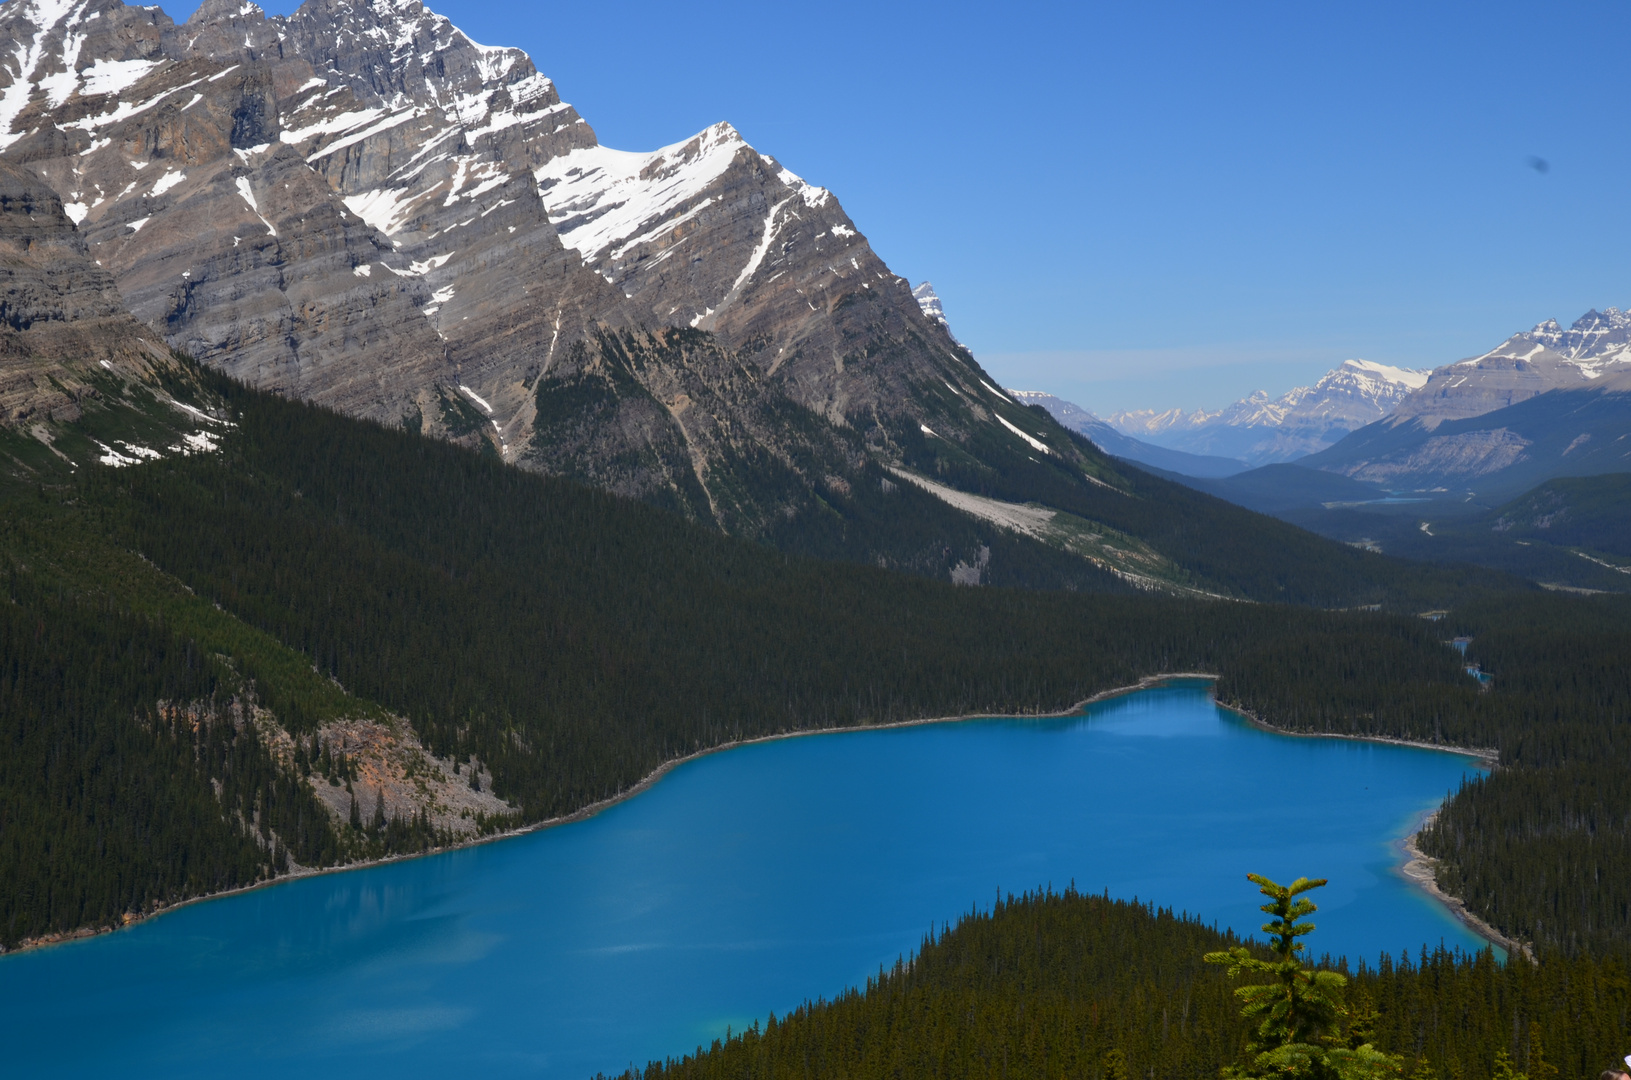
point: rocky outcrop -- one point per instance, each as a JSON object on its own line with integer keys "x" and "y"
{"x": 928, "y": 301}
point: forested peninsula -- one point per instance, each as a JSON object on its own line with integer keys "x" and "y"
{"x": 1069, "y": 985}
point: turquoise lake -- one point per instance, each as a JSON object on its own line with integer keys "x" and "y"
{"x": 740, "y": 884}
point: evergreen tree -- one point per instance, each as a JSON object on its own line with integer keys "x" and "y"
{"x": 1299, "y": 1012}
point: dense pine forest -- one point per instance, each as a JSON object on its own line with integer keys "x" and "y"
{"x": 1065, "y": 985}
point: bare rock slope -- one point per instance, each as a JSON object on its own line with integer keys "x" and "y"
{"x": 358, "y": 205}
{"x": 73, "y": 363}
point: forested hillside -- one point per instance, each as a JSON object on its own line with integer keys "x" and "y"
{"x": 1082, "y": 986}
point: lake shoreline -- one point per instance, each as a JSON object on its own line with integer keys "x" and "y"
{"x": 1147, "y": 682}
{"x": 1418, "y": 868}
{"x": 302, "y": 872}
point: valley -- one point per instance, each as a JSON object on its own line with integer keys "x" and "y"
{"x": 1427, "y": 472}
{"x": 388, "y": 467}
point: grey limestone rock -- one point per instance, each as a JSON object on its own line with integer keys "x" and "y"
{"x": 357, "y": 205}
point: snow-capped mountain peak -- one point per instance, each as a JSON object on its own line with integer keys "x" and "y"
{"x": 1596, "y": 340}
{"x": 357, "y": 204}
{"x": 929, "y": 301}
{"x": 1411, "y": 377}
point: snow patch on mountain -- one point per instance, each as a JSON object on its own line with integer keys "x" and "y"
{"x": 114, "y": 76}
{"x": 1594, "y": 344}
{"x": 599, "y": 199}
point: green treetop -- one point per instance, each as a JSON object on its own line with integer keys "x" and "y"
{"x": 1299, "y": 1012}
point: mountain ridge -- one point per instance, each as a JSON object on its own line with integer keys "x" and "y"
{"x": 1594, "y": 352}
{"x": 358, "y": 206}
{"x": 1263, "y": 430}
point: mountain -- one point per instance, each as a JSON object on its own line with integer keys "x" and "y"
{"x": 358, "y": 206}
{"x": 1595, "y": 351}
{"x": 1261, "y": 430}
{"x": 1113, "y": 442}
{"x": 1496, "y": 454}
{"x": 1544, "y": 403}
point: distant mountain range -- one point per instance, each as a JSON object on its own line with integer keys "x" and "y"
{"x": 1594, "y": 353}
{"x": 1433, "y": 479}
{"x": 1398, "y": 457}
{"x": 1544, "y": 403}
{"x": 1260, "y": 429}
{"x": 1111, "y": 441}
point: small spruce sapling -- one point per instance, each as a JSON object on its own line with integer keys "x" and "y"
{"x": 1299, "y": 1013}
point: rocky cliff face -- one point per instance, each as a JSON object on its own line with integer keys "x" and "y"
{"x": 359, "y": 206}
{"x": 1260, "y": 429}
{"x": 70, "y": 352}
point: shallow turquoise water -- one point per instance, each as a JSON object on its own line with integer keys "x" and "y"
{"x": 740, "y": 884}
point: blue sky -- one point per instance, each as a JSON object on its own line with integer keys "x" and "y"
{"x": 1153, "y": 205}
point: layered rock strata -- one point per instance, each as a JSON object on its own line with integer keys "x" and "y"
{"x": 358, "y": 205}
{"x": 66, "y": 340}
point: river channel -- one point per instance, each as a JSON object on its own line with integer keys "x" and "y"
{"x": 740, "y": 884}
